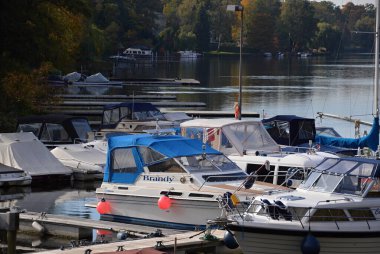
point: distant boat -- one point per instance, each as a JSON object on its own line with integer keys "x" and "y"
{"x": 138, "y": 52}
{"x": 188, "y": 54}
{"x": 97, "y": 79}
{"x": 10, "y": 176}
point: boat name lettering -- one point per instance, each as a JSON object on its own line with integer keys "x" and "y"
{"x": 158, "y": 178}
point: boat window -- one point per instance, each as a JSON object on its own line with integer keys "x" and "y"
{"x": 342, "y": 167}
{"x": 278, "y": 129}
{"x": 115, "y": 116}
{"x": 361, "y": 214}
{"x": 201, "y": 163}
{"x": 329, "y": 215}
{"x": 349, "y": 185}
{"x": 327, "y": 164}
{"x": 306, "y": 130}
{"x": 107, "y": 117}
{"x": 326, "y": 182}
{"x": 364, "y": 169}
{"x": 125, "y": 112}
{"x": 167, "y": 166}
{"x": 82, "y": 128}
{"x": 30, "y": 127}
{"x": 313, "y": 176}
{"x": 149, "y": 155}
{"x": 54, "y": 133}
{"x": 123, "y": 161}
{"x": 194, "y": 133}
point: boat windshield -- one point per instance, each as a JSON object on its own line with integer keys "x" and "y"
{"x": 207, "y": 163}
{"x": 82, "y": 128}
{"x": 148, "y": 115}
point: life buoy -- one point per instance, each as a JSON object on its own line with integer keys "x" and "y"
{"x": 237, "y": 111}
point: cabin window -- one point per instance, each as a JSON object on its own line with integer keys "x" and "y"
{"x": 149, "y": 156}
{"x": 326, "y": 183}
{"x": 306, "y": 130}
{"x": 123, "y": 161}
{"x": 361, "y": 214}
{"x": 30, "y": 127}
{"x": 329, "y": 215}
{"x": 125, "y": 112}
{"x": 115, "y": 116}
{"x": 167, "y": 166}
{"x": 82, "y": 128}
{"x": 364, "y": 169}
{"x": 349, "y": 185}
{"x": 54, "y": 133}
{"x": 326, "y": 164}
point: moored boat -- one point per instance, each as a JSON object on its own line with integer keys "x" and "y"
{"x": 335, "y": 210}
{"x": 168, "y": 181}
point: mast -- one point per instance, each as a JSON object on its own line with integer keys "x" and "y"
{"x": 376, "y": 87}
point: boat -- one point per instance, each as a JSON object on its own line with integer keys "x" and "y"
{"x": 297, "y": 134}
{"x": 136, "y": 117}
{"x": 10, "y": 176}
{"x": 86, "y": 160}
{"x": 25, "y": 152}
{"x": 55, "y": 129}
{"x": 335, "y": 210}
{"x": 189, "y": 54}
{"x": 249, "y": 145}
{"x": 138, "y": 52}
{"x": 174, "y": 180}
{"x": 97, "y": 79}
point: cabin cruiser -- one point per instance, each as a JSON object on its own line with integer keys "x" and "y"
{"x": 136, "y": 117}
{"x": 56, "y": 129}
{"x": 174, "y": 180}
{"x": 248, "y": 144}
{"x": 335, "y": 210}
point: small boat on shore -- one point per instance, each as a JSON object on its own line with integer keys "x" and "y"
{"x": 168, "y": 181}
{"x": 189, "y": 54}
{"x": 335, "y": 210}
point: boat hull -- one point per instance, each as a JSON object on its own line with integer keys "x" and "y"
{"x": 183, "y": 213}
{"x": 258, "y": 240}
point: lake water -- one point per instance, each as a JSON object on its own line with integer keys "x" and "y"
{"x": 272, "y": 86}
{"x": 299, "y": 86}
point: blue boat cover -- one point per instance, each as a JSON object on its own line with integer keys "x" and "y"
{"x": 371, "y": 140}
{"x": 169, "y": 146}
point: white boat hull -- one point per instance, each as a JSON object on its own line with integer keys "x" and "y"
{"x": 183, "y": 213}
{"x": 255, "y": 240}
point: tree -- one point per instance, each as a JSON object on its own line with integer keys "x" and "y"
{"x": 260, "y": 19}
{"x": 297, "y": 20}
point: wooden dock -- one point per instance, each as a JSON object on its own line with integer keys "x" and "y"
{"x": 180, "y": 241}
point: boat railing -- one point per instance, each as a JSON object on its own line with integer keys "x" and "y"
{"x": 307, "y": 217}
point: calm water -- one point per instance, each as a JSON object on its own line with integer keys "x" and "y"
{"x": 271, "y": 86}
{"x": 301, "y": 86}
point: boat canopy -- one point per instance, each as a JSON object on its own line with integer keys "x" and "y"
{"x": 24, "y": 151}
{"x": 371, "y": 140}
{"x": 137, "y": 111}
{"x": 290, "y": 130}
{"x": 128, "y": 155}
{"x": 230, "y": 135}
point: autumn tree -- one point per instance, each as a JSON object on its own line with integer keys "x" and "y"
{"x": 297, "y": 21}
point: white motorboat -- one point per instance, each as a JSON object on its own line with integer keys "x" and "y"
{"x": 136, "y": 117}
{"x": 335, "y": 210}
{"x": 23, "y": 151}
{"x": 189, "y": 54}
{"x": 97, "y": 79}
{"x": 249, "y": 145}
{"x": 86, "y": 160}
{"x": 168, "y": 181}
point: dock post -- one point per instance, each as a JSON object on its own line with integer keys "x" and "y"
{"x": 9, "y": 221}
